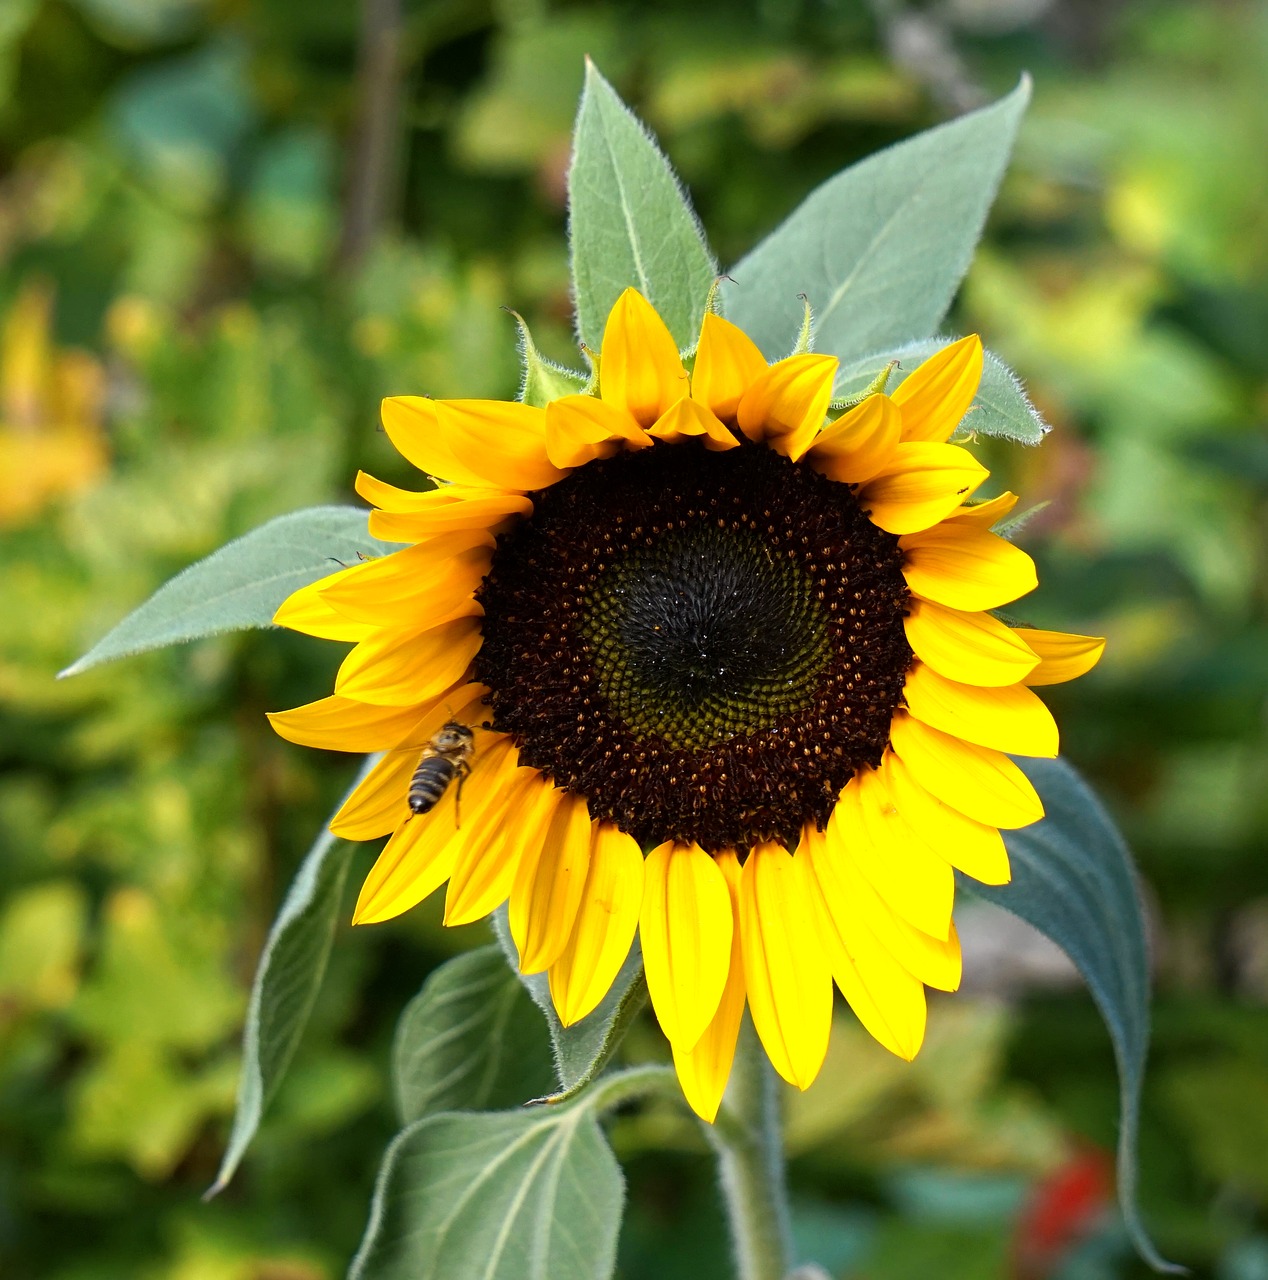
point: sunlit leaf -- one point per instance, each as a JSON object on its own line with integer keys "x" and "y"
{"x": 630, "y": 222}
{"x": 241, "y": 585}
{"x": 470, "y": 1040}
{"x": 1000, "y": 408}
{"x": 527, "y": 1195}
{"x": 1074, "y": 881}
{"x": 879, "y": 249}
{"x": 287, "y": 980}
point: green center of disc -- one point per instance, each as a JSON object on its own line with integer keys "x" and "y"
{"x": 705, "y": 635}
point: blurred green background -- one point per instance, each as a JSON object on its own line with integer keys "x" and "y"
{"x": 227, "y": 227}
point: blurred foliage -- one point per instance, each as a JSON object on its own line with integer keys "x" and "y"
{"x": 193, "y": 339}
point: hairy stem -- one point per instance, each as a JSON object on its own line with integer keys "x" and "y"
{"x": 750, "y": 1152}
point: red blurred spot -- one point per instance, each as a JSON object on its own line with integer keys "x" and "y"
{"x": 1062, "y": 1211}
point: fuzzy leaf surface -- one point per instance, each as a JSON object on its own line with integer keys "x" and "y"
{"x": 287, "y": 980}
{"x": 524, "y": 1195}
{"x": 880, "y": 249}
{"x": 630, "y": 222}
{"x": 1000, "y": 408}
{"x": 1074, "y": 881}
{"x": 582, "y": 1049}
{"x": 471, "y": 1040}
{"x": 240, "y": 586}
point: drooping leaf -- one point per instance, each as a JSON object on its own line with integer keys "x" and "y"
{"x": 241, "y": 585}
{"x": 471, "y": 1040}
{"x": 1074, "y": 881}
{"x": 879, "y": 249}
{"x": 582, "y": 1050}
{"x": 528, "y": 1195}
{"x": 630, "y": 222}
{"x": 286, "y": 983}
{"x": 1000, "y": 408}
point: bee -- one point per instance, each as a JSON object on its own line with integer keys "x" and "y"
{"x": 446, "y": 757}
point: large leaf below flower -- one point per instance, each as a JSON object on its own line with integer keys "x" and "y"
{"x": 630, "y": 223}
{"x": 880, "y": 249}
{"x": 241, "y": 585}
{"x": 1073, "y": 880}
{"x": 527, "y": 1195}
{"x": 1000, "y": 408}
{"x": 287, "y": 980}
{"x": 471, "y": 1040}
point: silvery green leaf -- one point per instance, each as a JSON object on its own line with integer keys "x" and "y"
{"x": 287, "y": 979}
{"x": 1074, "y": 881}
{"x": 526, "y": 1195}
{"x": 630, "y": 223}
{"x": 582, "y": 1050}
{"x": 1000, "y": 408}
{"x": 241, "y": 585}
{"x": 470, "y": 1040}
{"x": 879, "y": 249}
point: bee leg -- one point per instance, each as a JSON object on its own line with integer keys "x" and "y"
{"x": 464, "y": 772}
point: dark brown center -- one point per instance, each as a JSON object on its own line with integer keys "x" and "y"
{"x": 704, "y": 645}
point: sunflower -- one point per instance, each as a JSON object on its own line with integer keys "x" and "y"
{"x": 733, "y": 677}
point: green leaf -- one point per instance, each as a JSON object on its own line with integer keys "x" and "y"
{"x": 880, "y": 249}
{"x": 528, "y": 1195}
{"x": 287, "y": 980}
{"x": 470, "y": 1040}
{"x": 584, "y": 1049}
{"x": 1074, "y": 881}
{"x": 630, "y": 222}
{"x": 1000, "y": 408}
{"x": 241, "y": 585}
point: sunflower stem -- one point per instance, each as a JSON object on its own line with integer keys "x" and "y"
{"x": 749, "y": 1145}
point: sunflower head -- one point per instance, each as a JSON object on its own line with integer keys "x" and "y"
{"x": 728, "y": 654}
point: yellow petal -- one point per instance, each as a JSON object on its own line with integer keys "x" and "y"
{"x": 985, "y": 514}
{"x": 414, "y": 863}
{"x": 548, "y": 886}
{"x": 341, "y": 724}
{"x": 421, "y": 854}
{"x": 970, "y": 647}
{"x": 685, "y": 926}
{"x": 785, "y": 969}
{"x": 308, "y": 612}
{"x": 689, "y": 418}
{"x": 909, "y": 876}
{"x": 704, "y": 1070}
{"x": 607, "y": 919}
{"x": 484, "y": 872}
{"x": 1062, "y": 656}
{"x": 404, "y": 665}
{"x": 937, "y": 394}
{"x": 858, "y": 444}
{"x": 378, "y": 805}
{"x": 1009, "y": 719}
{"x": 421, "y": 586}
{"x": 981, "y": 783}
{"x": 464, "y": 704}
{"x": 850, "y": 897}
{"x": 972, "y": 847}
{"x": 580, "y": 429}
{"x": 491, "y": 444}
{"x": 966, "y": 568}
{"x": 920, "y": 484}
{"x": 415, "y": 517}
{"x": 787, "y": 402}
{"x": 727, "y": 363}
{"x": 639, "y": 368}
{"x": 886, "y": 996}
